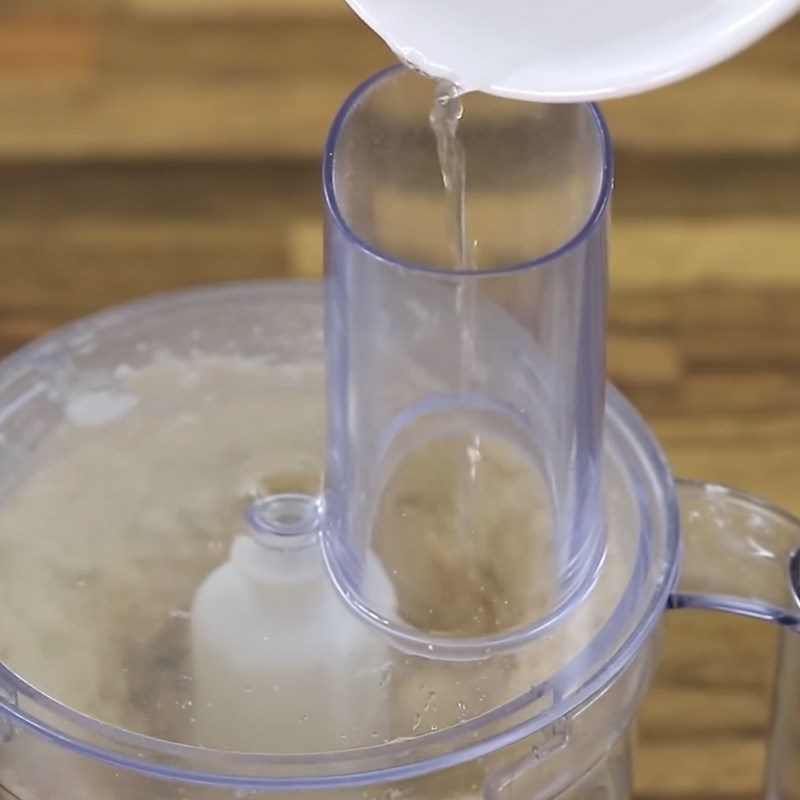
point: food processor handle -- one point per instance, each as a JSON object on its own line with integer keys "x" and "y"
{"x": 742, "y": 555}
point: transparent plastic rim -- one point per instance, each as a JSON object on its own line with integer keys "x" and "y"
{"x": 594, "y": 219}
{"x": 631, "y": 441}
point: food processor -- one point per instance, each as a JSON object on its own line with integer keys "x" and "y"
{"x": 283, "y": 540}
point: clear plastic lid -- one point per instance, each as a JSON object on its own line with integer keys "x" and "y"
{"x": 162, "y": 589}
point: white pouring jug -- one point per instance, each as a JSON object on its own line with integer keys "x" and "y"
{"x": 569, "y": 50}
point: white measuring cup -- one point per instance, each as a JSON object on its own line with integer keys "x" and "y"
{"x": 570, "y": 49}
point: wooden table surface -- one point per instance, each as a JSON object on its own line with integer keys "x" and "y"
{"x": 152, "y": 144}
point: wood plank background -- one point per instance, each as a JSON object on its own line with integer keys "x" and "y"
{"x": 154, "y": 144}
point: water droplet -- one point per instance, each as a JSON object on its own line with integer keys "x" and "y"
{"x": 415, "y": 725}
{"x": 304, "y": 718}
{"x": 386, "y": 675}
